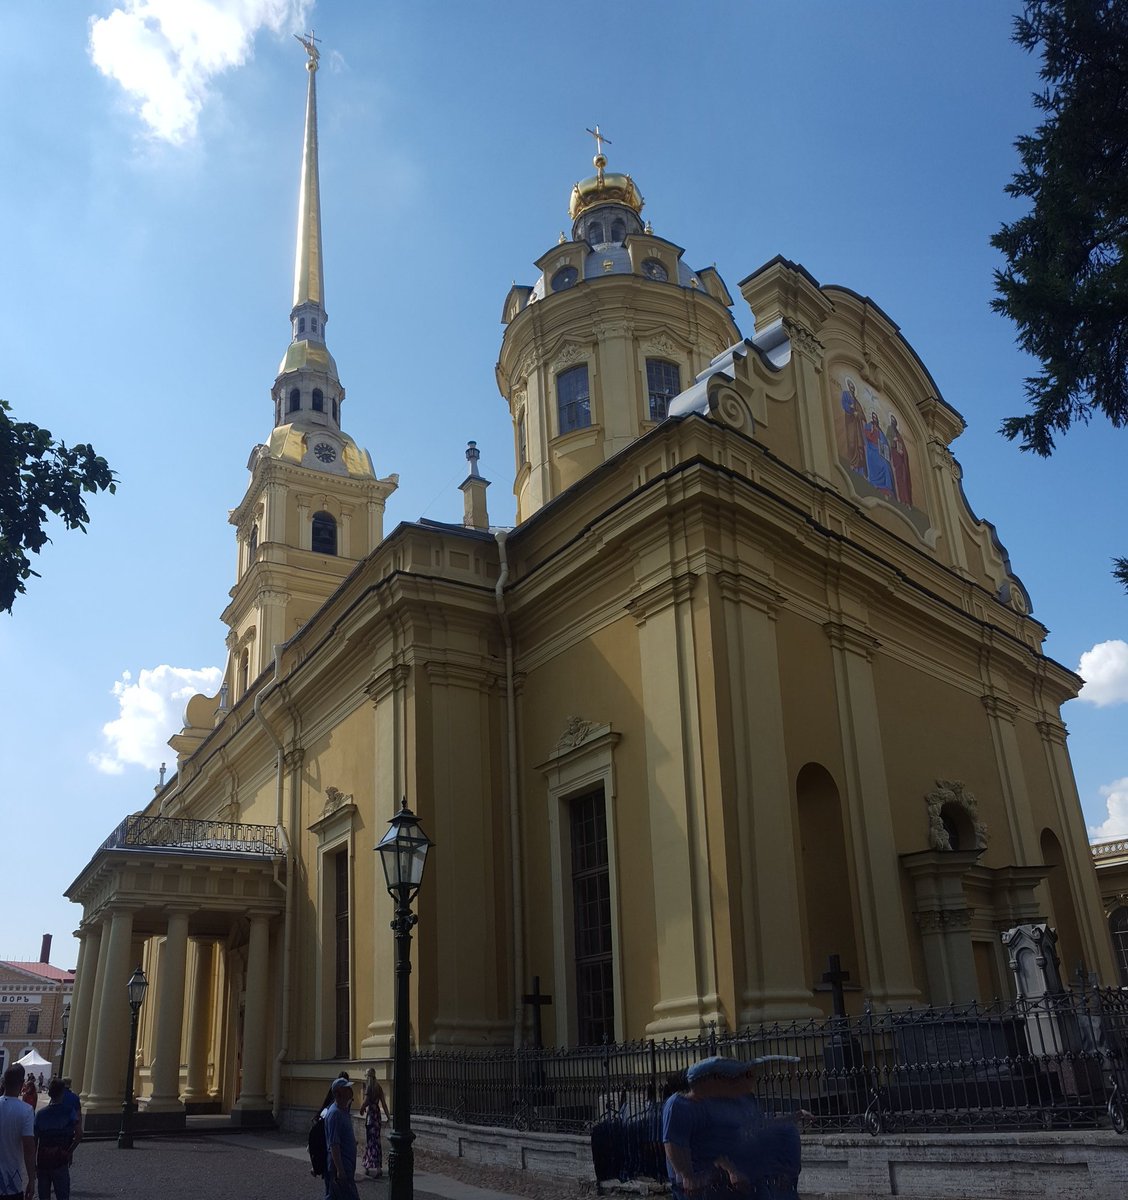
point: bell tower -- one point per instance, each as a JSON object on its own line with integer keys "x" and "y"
{"x": 314, "y": 505}
{"x": 615, "y": 327}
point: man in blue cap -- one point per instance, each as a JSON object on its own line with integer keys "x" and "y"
{"x": 340, "y": 1141}
{"x": 709, "y": 1132}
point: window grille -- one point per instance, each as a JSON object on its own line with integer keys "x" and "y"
{"x": 663, "y": 383}
{"x": 591, "y": 898}
{"x": 573, "y": 399}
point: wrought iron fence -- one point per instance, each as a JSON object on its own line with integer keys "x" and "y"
{"x": 1053, "y": 1063}
{"x": 174, "y": 833}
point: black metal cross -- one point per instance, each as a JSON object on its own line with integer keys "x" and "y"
{"x": 537, "y": 1000}
{"x": 835, "y": 977}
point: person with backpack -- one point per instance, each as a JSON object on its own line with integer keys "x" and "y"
{"x": 340, "y": 1140}
{"x": 316, "y": 1145}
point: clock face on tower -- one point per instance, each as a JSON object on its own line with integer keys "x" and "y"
{"x": 325, "y": 452}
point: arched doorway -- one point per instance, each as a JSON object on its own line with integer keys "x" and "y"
{"x": 1070, "y": 946}
{"x": 828, "y": 895}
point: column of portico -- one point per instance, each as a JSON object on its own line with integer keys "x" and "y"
{"x": 111, "y": 1034}
{"x": 165, "y": 1070}
{"x": 200, "y": 1023}
{"x": 252, "y": 1099}
{"x": 90, "y": 938}
{"x": 888, "y": 965}
{"x": 95, "y": 1009}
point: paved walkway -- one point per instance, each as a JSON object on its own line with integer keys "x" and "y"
{"x": 246, "y": 1166}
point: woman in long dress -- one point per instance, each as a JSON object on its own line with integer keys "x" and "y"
{"x": 370, "y": 1108}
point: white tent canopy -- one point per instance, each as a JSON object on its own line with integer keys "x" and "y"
{"x": 33, "y": 1059}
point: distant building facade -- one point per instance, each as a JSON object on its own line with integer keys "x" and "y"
{"x": 33, "y": 999}
{"x": 747, "y": 686}
{"x": 1111, "y": 861}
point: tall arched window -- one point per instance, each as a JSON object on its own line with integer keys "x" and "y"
{"x": 663, "y": 382}
{"x": 301, "y": 324}
{"x": 573, "y": 399}
{"x": 324, "y": 534}
{"x": 252, "y": 543}
{"x": 244, "y": 672}
{"x": 618, "y": 230}
{"x": 318, "y": 400}
{"x": 336, "y": 413}
{"x": 295, "y": 400}
{"x": 595, "y": 233}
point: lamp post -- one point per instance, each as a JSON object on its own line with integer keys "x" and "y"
{"x": 63, "y": 1047}
{"x": 403, "y": 855}
{"x": 136, "y": 987}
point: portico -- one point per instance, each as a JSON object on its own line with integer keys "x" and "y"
{"x": 198, "y": 904}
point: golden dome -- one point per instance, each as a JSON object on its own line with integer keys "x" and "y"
{"x": 608, "y": 187}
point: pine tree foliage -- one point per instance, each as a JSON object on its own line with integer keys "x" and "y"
{"x": 39, "y": 476}
{"x": 1066, "y": 281}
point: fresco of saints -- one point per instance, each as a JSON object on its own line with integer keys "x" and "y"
{"x": 899, "y": 461}
{"x": 878, "y": 469}
{"x": 854, "y": 420}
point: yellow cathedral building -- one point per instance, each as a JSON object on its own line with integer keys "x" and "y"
{"x": 747, "y": 685}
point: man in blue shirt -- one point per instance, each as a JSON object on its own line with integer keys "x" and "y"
{"x": 718, "y": 1141}
{"x": 710, "y": 1132}
{"x": 55, "y": 1132}
{"x": 340, "y": 1141}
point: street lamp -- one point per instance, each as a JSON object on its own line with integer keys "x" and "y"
{"x": 403, "y": 855}
{"x": 136, "y": 987}
{"x": 63, "y": 1047}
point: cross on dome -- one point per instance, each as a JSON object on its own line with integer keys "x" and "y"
{"x": 600, "y": 160}
{"x": 309, "y": 41}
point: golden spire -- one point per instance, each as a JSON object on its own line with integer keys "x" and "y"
{"x": 309, "y": 280}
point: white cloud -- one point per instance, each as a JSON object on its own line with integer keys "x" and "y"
{"x": 1104, "y": 669}
{"x": 164, "y": 53}
{"x": 1116, "y": 825}
{"x": 151, "y": 710}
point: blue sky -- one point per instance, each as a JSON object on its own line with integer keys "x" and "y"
{"x": 152, "y": 152}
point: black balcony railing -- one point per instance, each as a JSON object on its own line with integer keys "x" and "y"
{"x": 1054, "y": 1063}
{"x": 179, "y": 835}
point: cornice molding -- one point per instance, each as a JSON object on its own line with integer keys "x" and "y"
{"x": 854, "y": 639}
{"x": 387, "y": 681}
{"x": 1053, "y": 731}
{"x": 803, "y": 340}
{"x": 752, "y": 592}
{"x": 445, "y": 674}
{"x": 1003, "y": 710}
{"x": 661, "y": 596}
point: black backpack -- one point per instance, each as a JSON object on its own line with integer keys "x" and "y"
{"x": 315, "y": 1144}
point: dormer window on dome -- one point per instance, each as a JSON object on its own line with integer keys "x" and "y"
{"x": 564, "y": 278}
